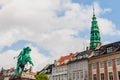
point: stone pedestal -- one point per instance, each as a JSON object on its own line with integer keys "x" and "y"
{"x": 23, "y": 76}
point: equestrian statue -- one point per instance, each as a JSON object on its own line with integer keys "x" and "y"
{"x": 22, "y": 59}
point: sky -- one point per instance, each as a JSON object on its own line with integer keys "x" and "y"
{"x": 53, "y": 28}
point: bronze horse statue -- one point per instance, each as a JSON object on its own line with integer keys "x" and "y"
{"x": 22, "y": 59}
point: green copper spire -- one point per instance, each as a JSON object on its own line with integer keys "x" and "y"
{"x": 95, "y": 34}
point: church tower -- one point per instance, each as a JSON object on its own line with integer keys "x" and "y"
{"x": 95, "y": 34}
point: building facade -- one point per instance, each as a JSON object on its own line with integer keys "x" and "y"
{"x": 78, "y": 67}
{"x": 59, "y": 72}
{"x": 105, "y": 64}
{"x": 60, "y": 68}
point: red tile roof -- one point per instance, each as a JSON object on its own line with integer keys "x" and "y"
{"x": 62, "y": 60}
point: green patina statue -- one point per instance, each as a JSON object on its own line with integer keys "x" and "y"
{"x": 22, "y": 59}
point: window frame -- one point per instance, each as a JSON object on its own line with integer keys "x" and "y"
{"x": 110, "y": 49}
{"x": 118, "y": 61}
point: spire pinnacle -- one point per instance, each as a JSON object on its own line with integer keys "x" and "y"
{"x": 94, "y": 17}
{"x": 93, "y": 10}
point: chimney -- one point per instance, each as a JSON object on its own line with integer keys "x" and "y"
{"x": 30, "y": 69}
{"x": 71, "y": 53}
{"x": 98, "y": 45}
{"x": 87, "y": 48}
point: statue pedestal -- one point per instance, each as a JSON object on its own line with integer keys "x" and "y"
{"x": 28, "y": 76}
{"x": 23, "y": 76}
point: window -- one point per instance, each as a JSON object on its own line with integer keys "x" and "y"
{"x": 48, "y": 70}
{"x": 73, "y": 59}
{"x": 101, "y": 64}
{"x": 77, "y": 75}
{"x": 66, "y": 61}
{"x": 110, "y": 76}
{"x": 94, "y": 65}
{"x": 102, "y": 76}
{"x": 86, "y": 75}
{"x": 81, "y": 74}
{"x": 110, "y": 63}
{"x": 70, "y": 76}
{"x": 58, "y": 77}
{"x": 94, "y": 77}
{"x": 85, "y": 55}
{"x": 118, "y": 61}
{"x": 96, "y": 53}
{"x": 109, "y": 49}
{"x": 73, "y": 75}
{"x": 118, "y": 75}
{"x": 79, "y": 57}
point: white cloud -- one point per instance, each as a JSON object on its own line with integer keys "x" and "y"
{"x": 3, "y": 2}
{"x": 62, "y": 42}
{"x": 107, "y": 27}
{"x": 107, "y": 10}
{"x": 38, "y": 21}
{"x": 6, "y": 59}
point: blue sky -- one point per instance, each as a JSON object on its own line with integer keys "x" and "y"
{"x": 53, "y": 28}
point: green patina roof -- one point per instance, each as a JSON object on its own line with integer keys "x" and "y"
{"x": 95, "y": 34}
